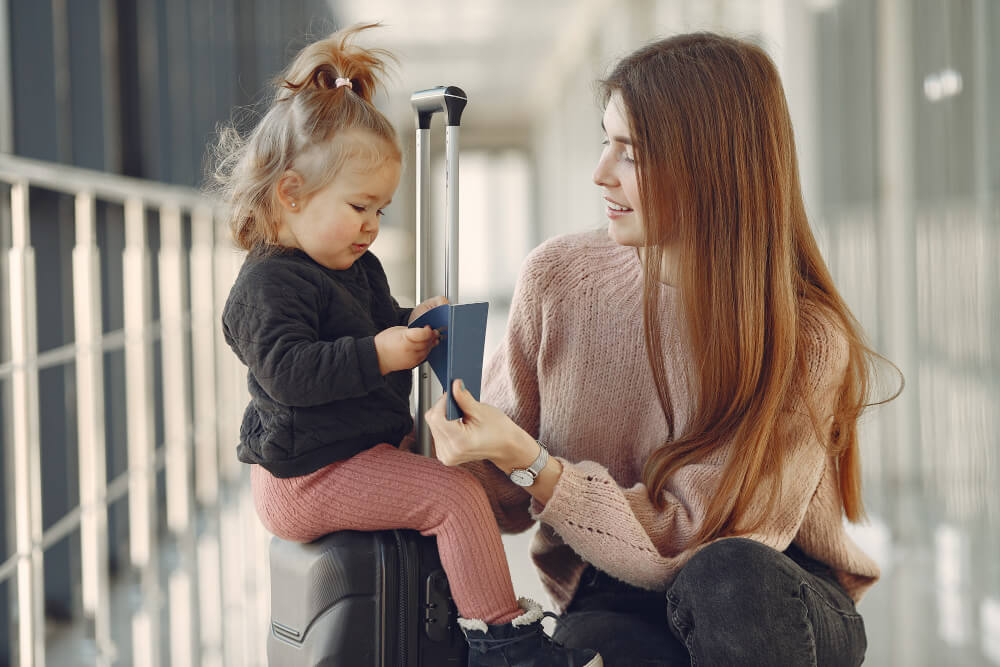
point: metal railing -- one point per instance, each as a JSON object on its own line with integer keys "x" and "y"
{"x": 198, "y": 394}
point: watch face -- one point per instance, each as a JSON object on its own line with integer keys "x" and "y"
{"x": 522, "y": 477}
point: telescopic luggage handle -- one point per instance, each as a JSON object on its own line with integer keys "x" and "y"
{"x": 450, "y": 100}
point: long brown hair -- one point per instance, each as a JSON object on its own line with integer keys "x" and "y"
{"x": 718, "y": 180}
{"x": 311, "y": 126}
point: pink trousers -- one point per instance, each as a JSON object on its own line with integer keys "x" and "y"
{"x": 385, "y": 488}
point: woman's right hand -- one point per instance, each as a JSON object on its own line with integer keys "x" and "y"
{"x": 484, "y": 432}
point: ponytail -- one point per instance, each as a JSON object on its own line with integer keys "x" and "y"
{"x": 319, "y": 65}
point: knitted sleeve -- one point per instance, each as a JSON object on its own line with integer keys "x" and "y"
{"x": 510, "y": 382}
{"x": 620, "y": 531}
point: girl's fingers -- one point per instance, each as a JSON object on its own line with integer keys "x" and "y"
{"x": 420, "y": 335}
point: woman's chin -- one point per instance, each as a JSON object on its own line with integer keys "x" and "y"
{"x": 622, "y": 235}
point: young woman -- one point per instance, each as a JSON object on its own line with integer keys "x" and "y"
{"x": 697, "y": 380}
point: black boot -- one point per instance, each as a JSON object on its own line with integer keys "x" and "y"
{"x": 521, "y": 643}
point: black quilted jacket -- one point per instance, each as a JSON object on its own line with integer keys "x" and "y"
{"x": 307, "y": 335}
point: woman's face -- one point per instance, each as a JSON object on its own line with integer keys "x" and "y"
{"x": 616, "y": 174}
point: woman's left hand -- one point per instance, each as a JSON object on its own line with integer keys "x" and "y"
{"x": 483, "y": 433}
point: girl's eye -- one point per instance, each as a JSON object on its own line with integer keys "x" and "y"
{"x": 359, "y": 209}
{"x": 380, "y": 212}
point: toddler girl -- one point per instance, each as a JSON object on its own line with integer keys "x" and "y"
{"x": 329, "y": 354}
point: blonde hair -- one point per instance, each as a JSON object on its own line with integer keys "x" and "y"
{"x": 311, "y": 126}
{"x": 718, "y": 176}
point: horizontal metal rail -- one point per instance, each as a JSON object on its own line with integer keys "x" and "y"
{"x": 117, "y": 489}
{"x": 105, "y": 187}
{"x": 57, "y": 356}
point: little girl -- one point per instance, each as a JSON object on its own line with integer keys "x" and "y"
{"x": 329, "y": 355}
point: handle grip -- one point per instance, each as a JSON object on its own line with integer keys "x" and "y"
{"x": 449, "y": 99}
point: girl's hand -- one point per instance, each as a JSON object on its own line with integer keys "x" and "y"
{"x": 483, "y": 433}
{"x": 429, "y": 304}
{"x": 402, "y": 348}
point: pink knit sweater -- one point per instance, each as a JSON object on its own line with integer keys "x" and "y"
{"x": 573, "y": 372}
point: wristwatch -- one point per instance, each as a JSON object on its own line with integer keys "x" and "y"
{"x": 527, "y": 476}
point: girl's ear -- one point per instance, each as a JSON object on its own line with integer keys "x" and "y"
{"x": 288, "y": 190}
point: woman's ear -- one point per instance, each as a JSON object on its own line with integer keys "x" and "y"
{"x": 288, "y": 190}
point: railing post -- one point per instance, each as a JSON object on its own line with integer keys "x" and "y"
{"x": 27, "y": 443}
{"x": 233, "y": 398}
{"x": 231, "y": 379}
{"x": 91, "y": 435}
{"x": 141, "y": 432}
{"x": 177, "y": 431}
{"x": 176, "y": 383}
{"x": 204, "y": 329}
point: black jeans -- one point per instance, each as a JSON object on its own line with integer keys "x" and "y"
{"x": 736, "y": 602}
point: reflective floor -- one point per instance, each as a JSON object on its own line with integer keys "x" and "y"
{"x": 924, "y": 611}
{"x": 937, "y": 604}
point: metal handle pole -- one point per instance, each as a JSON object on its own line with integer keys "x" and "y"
{"x": 423, "y": 371}
{"x": 451, "y": 214}
{"x": 451, "y": 100}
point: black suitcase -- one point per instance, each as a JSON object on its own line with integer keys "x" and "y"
{"x": 354, "y": 599}
{"x": 377, "y": 599}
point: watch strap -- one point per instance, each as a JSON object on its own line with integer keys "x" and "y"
{"x": 540, "y": 460}
{"x": 527, "y": 476}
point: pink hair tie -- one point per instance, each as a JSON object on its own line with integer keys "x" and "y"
{"x": 344, "y": 82}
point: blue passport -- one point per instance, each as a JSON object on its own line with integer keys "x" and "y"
{"x": 459, "y": 355}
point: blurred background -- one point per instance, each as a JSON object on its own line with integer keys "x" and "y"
{"x": 127, "y": 536}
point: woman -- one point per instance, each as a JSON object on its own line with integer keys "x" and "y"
{"x": 692, "y": 509}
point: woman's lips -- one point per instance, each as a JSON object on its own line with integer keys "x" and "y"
{"x": 616, "y": 210}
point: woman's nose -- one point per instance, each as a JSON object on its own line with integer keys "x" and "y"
{"x": 602, "y": 174}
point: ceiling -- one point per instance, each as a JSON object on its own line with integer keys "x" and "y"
{"x": 504, "y": 54}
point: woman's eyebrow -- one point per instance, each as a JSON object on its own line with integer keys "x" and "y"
{"x": 622, "y": 140}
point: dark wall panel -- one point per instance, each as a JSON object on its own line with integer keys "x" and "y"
{"x": 87, "y": 110}
{"x": 33, "y": 91}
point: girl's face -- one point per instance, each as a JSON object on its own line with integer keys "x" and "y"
{"x": 616, "y": 174}
{"x": 337, "y": 224}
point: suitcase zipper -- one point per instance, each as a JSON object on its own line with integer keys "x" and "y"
{"x": 404, "y": 601}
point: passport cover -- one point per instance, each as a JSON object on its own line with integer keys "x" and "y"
{"x": 459, "y": 355}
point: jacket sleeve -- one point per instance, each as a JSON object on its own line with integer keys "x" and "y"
{"x": 273, "y": 327}
{"x": 622, "y": 532}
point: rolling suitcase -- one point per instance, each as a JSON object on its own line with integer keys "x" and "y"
{"x": 378, "y": 599}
